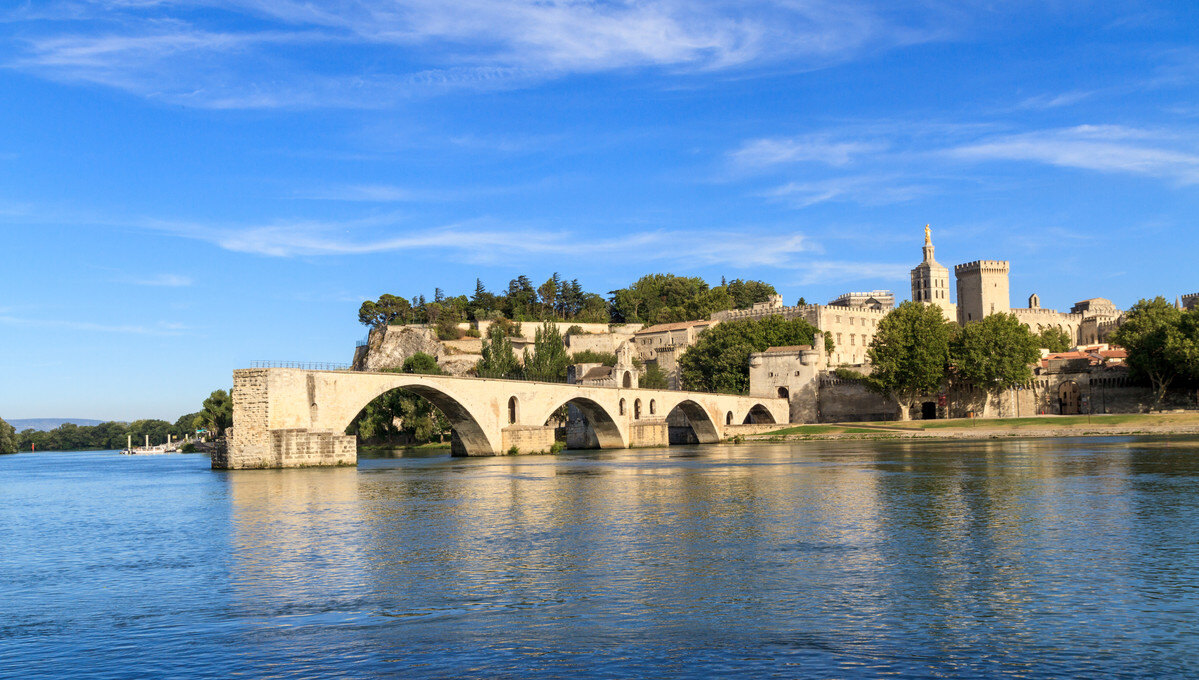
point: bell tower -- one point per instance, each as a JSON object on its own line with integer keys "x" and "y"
{"x": 930, "y": 280}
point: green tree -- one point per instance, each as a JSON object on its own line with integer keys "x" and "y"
{"x": 185, "y": 424}
{"x": 388, "y": 309}
{"x": 157, "y": 430}
{"x": 1054, "y": 339}
{"x": 910, "y": 353}
{"x": 654, "y": 378}
{"x": 499, "y": 359}
{"x": 423, "y": 363}
{"x": 589, "y": 356}
{"x": 217, "y": 414}
{"x": 8, "y": 437}
{"x": 994, "y": 355}
{"x": 1162, "y": 344}
{"x": 549, "y": 360}
{"x": 719, "y": 361}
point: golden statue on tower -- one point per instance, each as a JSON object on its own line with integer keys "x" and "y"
{"x": 928, "y": 236}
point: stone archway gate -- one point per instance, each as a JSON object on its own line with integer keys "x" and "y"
{"x": 291, "y": 417}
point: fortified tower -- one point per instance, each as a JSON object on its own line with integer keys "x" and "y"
{"x": 930, "y": 280}
{"x": 982, "y": 289}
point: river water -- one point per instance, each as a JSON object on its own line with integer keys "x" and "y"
{"x": 1020, "y": 559}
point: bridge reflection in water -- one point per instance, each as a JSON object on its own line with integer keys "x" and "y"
{"x": 978, "y": 559}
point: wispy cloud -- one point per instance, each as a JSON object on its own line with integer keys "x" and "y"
{"x": 834, "y": 271}
{"x": 821, "y": 148}
{"x": 164, "y": 280}
{"x": 166, "y": 50}
{"x": 864, "y": 189}
{"x": 1103, "y": 148}
{"x": 162, "y": 329}
{"x": 482, "y": 241}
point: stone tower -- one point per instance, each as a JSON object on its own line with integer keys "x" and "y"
{"x": 930, "y": 280}
{"x": 982, "y": 289}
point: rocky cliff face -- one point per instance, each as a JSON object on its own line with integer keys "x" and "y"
{"x": 388, "y": 347}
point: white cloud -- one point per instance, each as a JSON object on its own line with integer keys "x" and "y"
{"x": 865, "y": 189}
{"x": 821, "y": 148}
{"x": 834, "y": 271}
{"x": 405, "y": 48}
{"x": 164, "y": 280}
{"x": 1103, "y": 148}
{"x": 162, "y": 329}
{"x": 481, "y": 242}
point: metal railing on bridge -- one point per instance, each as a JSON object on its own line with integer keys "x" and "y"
{"x": 305, "y": 365}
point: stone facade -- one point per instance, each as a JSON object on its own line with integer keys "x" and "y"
{"x": 874, "y": 299}
{"x": 790, "y": 373}
{"x": 982, "y": 289}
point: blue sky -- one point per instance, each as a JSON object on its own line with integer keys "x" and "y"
{"x": 190, "y": 185}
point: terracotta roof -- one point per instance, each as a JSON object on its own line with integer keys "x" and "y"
{"x": 663, "y": 327}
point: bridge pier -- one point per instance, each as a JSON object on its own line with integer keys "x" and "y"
{"x": 527, "y": 439}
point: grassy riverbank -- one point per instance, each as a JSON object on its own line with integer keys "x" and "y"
{"x": 990, "y": 428}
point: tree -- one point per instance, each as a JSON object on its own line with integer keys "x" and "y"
{"x": 1162, "y": 344}
{"x": 217, "y": 414}
{"x": 549, "y": 360}
{"x": 590, "y": 356}
{"x": 1054, "y": 339}
{"x": 8, "y": 437}
{"x": 719, "y": 361}
{"x": 994, "y": 354}
{"x": 548, "y": 292}
{"x": 499, "y": 359}
{"x": 910, "y": 353}
{"x": 654, "y": 378}
{"x": 425, "y": 364}
{"x": 387, "y": 310}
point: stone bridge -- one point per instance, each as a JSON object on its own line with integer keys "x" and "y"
{"x": 290, "y": 417}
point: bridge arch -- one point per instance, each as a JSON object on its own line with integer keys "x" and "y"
{"x": 471, "y": 434}
{"x": 758, "y": 414}
{"x": 702, "y": 423}
{"x": 607, "y": 431}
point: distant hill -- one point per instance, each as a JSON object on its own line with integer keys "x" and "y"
{"x": 47, "y": 424}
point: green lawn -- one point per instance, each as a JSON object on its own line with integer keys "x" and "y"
{"x": 1048, "y": 421}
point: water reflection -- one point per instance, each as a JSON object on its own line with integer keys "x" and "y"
{"x": 918, "y": 559}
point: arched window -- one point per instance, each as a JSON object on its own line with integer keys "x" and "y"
{"x": 622, "y": 407}
{"x": 783, "y": 394}
{"x": 637, "y": 410}
{"x": 652, "y": 407}
{"x": 628, "y": 379}
{"x": 512, "y": 410}
{"x": 728, "y": 418}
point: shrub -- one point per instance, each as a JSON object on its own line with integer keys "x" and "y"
{"x": 513, "y": 451}
{"x": 576, "y": 330}
{"x": 472, "y": 333}
{"x": 557, "y": 447}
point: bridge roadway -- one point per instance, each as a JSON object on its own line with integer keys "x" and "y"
{"x": 291, "y": 417}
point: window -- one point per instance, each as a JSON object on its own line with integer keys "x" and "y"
{"x": 512, "y": 410}
{"x": 622, "y": 407}
{"x": 652, "y": 407}
{"x": 637, "y": 410}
